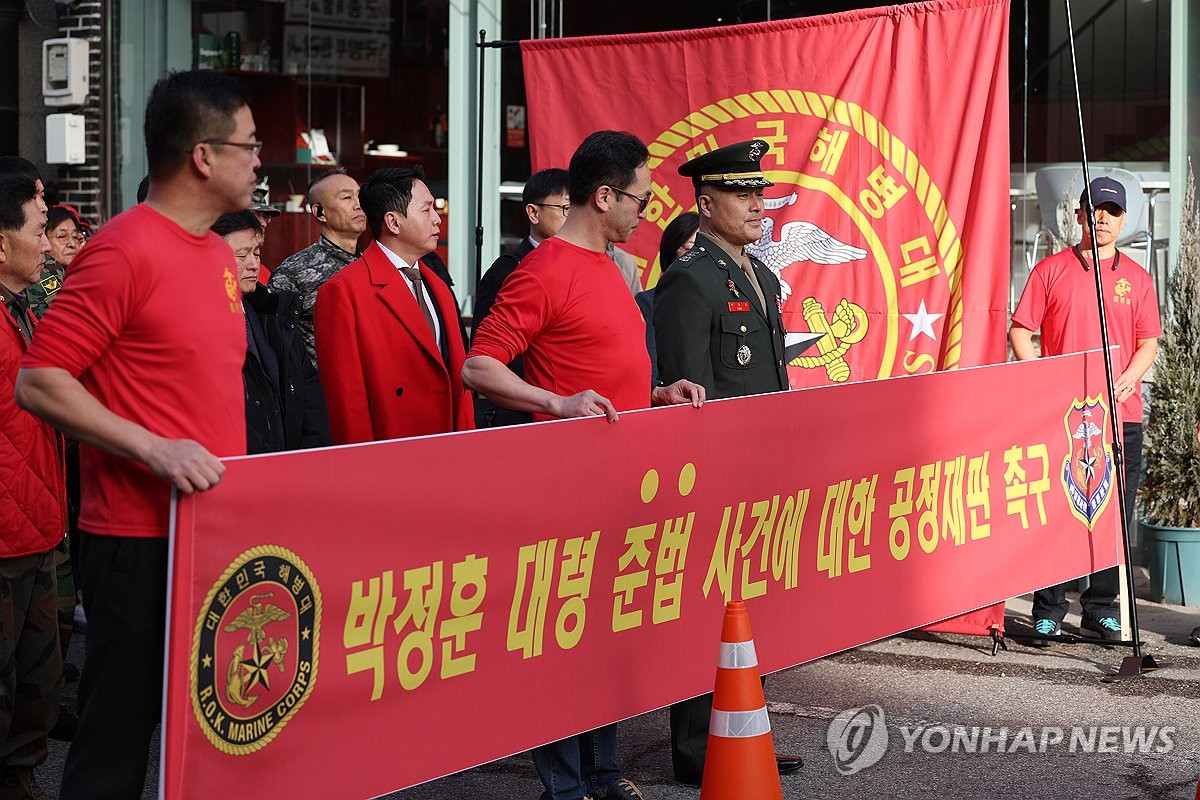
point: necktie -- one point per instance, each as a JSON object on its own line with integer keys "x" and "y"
{"x": 414, "y": 275}
{"x": 748, "y": 268}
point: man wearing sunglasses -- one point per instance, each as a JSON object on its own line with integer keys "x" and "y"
{"x": 584, "y": 342}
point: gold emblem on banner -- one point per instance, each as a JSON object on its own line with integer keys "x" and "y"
{"x": 255, "y": 647}
{"x": 880, "y": 218}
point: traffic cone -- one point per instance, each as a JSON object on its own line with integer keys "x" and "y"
{"x": 740, "y": 761}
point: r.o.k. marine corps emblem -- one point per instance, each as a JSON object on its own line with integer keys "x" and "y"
{"x": 1121, "y": 292}
{"x": 254, "y": 652}
{"x": 856, "y": 226}
{"x": 1087, "y": 471}
{"x": 232, "y": 291}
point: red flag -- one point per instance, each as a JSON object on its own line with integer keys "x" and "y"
{"x": 889, "y": 220}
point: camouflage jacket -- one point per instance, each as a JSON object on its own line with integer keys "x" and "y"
{"x": 41, "y": 294}
{"x": 304, "y": 273}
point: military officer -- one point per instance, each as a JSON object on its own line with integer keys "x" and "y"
{"x": 717, "y": 322}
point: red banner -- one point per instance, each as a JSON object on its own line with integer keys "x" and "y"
{"x": 888, "y": 223}
{"x": 342, "y": 606}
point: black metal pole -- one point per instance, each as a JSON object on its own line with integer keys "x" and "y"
{"x": 479, "y": 167}
{"x": 482, "y": 46}
{"x": 1118, "y": 454}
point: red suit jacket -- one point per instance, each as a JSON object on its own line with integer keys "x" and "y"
{"x": 383, "y": 373}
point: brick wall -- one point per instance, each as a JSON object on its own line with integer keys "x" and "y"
{"x": 79, "y": 185}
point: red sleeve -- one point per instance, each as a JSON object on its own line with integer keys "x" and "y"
{"x": 1031, "y": 309}
{"x": 340, "y": 367}
{"x": 1147, "y": 324}
{"x": 520, "y": 313}
{"x": 98, "y": 296}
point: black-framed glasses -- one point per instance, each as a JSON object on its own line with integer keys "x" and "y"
{"x": 565, "y": 208}
{"x": 641, "y": 201}
{"x": 254, "y": 147}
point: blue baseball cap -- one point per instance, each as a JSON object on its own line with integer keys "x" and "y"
{"x": 1105, "y": 190}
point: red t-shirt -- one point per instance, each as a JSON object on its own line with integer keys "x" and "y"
{"x": 570, "y": 312}
{"x": 1060, "y": 299}
{"x": 151, "y": 323}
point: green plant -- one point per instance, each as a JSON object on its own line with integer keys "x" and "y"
{"x": 1170, "y": 492}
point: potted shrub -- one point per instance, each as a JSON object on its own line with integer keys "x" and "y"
{"x": 1170, "y": 492}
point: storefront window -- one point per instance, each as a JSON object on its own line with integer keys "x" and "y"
{"x": 355, "y": 83}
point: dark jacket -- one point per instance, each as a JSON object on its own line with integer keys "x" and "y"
{"x": 286, "y": 412}
{"x": 710, "y": 328}
{"x": 487, "y": 413}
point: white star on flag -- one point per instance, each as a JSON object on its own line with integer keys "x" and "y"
{"x": 922, "y": 322}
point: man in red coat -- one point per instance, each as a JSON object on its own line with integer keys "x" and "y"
{"x": 32, "y": 506}
{"x": 388, "y": 339}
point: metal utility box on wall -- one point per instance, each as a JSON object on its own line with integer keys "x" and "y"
{"x": 65, "y": 139}
{"x": 64, "y": 71}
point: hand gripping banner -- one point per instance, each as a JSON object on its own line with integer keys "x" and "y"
{"x": 888, "y": 224}
{"x": 403, "y": 610}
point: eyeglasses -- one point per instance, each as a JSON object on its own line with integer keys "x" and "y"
{"x": 641, "y": 201}
{"x": 254, "y": 147}
{"x": 65, "y": 237}
{"x": 565, "y": 208}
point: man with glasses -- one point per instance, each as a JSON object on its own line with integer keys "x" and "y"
{"x": 140, "y": 360}
{"x": 62, "y": 229}
{"x": 546, "y": 205}
{"x": 584, "y": 343}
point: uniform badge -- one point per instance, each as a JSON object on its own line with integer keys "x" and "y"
{"x": 254, "y": 650}
{"x": 733, "y": 288}
{"x": 779, "y": 303}
{"x": 739, "y": 306}
{"x": 743, "y": 355}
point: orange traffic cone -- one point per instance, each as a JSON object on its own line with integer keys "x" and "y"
{"x": 740, "y": 761}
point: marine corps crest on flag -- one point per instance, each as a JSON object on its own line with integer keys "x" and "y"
{"x": 254, "y": 649}
{"x": 1087, "y": 471}
{"x": 888, "y": 222}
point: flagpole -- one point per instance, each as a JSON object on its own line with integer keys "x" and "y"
{"x": 482, "y": 46}
{"x": 1137, "y": 664}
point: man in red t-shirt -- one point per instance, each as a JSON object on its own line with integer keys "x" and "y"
{"x": 140, "y": 359}
{"x": 1060, "y": 301}
{"x": 584, "y": 341}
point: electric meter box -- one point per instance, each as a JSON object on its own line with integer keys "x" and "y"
{"x": 64, "y": 71}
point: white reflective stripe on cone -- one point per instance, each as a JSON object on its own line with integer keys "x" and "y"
{"x": 737, "y": 655}
{"x": 739, "y": 724}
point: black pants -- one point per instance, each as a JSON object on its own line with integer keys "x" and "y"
{"x": 689, "y": 736}
{"x": 1100, "y": 599}
{"x": 124, "y": 583}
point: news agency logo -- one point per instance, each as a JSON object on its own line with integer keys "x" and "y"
{"x": 1078, "y": 739}
{"x": 858, "y": 738}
